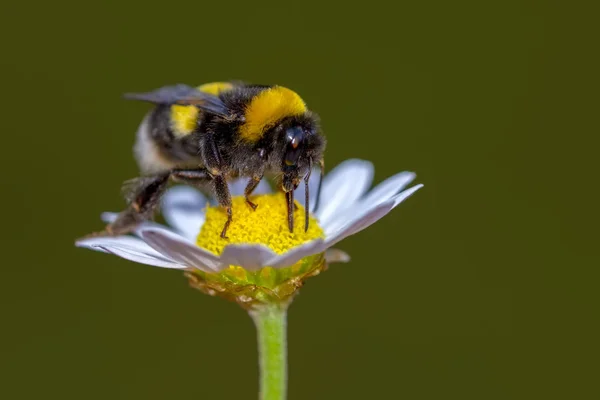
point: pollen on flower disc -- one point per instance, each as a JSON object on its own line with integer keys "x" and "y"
{"x": 266, "y": 225}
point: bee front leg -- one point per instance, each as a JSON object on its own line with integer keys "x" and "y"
{"x": 224, "y": 198}
{"x": 252, "y": 184}
{"x": 214, "y": 164}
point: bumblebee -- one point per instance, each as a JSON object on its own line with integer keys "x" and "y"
{"x": 215, "y": 132}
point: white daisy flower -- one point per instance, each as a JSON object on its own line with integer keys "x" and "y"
{"x": 261, "y": 260}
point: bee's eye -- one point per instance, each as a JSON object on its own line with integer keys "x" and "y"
{"x": 294, "y": 137}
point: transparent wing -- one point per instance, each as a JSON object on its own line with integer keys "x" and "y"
{"x": 184, "y": 95}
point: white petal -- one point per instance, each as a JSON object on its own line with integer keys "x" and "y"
{"x": 98, "y": 244}
{"x": 180, "y": 249}
{"x": 342, "y": 187}
{"x": 183, "y": 208}
{"x": 143, "y": 258}
{"x": 313, "y": 185}
{"x": 129, "y": 248}
{"x": 263, "y": 187}
{"x": 336, "y": 256}
{"x": 249, "y": 256}
{"x": 400, "y": 197}
{"x": 397, "y": 199}
{"x": 380, "y": 193}
{"x": 388, "y": 188}
{"x": 292, "y": 256}
{"x": 370, "y": 216}
{"x": 236, "y": 186}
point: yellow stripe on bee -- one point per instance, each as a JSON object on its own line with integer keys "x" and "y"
{"x": 267, "y": 108}
{"x": 185, "y": 118}
{"x": 215, "y": 88}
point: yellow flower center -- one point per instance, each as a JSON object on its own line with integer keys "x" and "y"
{"x": 267, "y": 225}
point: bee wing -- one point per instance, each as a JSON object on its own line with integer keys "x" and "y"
{"x": 184, "y": 95}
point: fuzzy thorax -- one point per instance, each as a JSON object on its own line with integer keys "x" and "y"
{"x": 267, "y": 225}
{"x": 268, "y": 108}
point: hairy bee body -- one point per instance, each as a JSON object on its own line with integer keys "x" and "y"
{"x": 217, "y": 131}
{"x": 170, "y": 135}
{"x": 156, "y": 150}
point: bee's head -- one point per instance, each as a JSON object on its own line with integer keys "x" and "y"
{"x": 303, "y": 147}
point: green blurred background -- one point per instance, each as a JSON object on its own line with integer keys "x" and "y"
{"x": 478, "y": 287}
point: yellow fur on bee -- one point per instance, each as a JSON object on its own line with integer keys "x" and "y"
{"x": 185, "y": 118}
{"x": 215, "y": 88}
{"x": 267, "y": 108}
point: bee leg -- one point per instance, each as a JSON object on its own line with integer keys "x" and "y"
{"x": 289, "y": 196}
{"x": 215, "y": 166}
{"x": 211, "y": 155}
{"x": 141, "y": 207}
{"x": 224, "y": 198}
{"x": 194, "y": 177}
{"x": 252, "y": 184}
{"x": 146, "y": 195}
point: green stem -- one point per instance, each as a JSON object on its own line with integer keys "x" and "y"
{"x": 270, "y": 321}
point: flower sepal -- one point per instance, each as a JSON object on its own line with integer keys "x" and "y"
{"x": 267, "y": 285}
